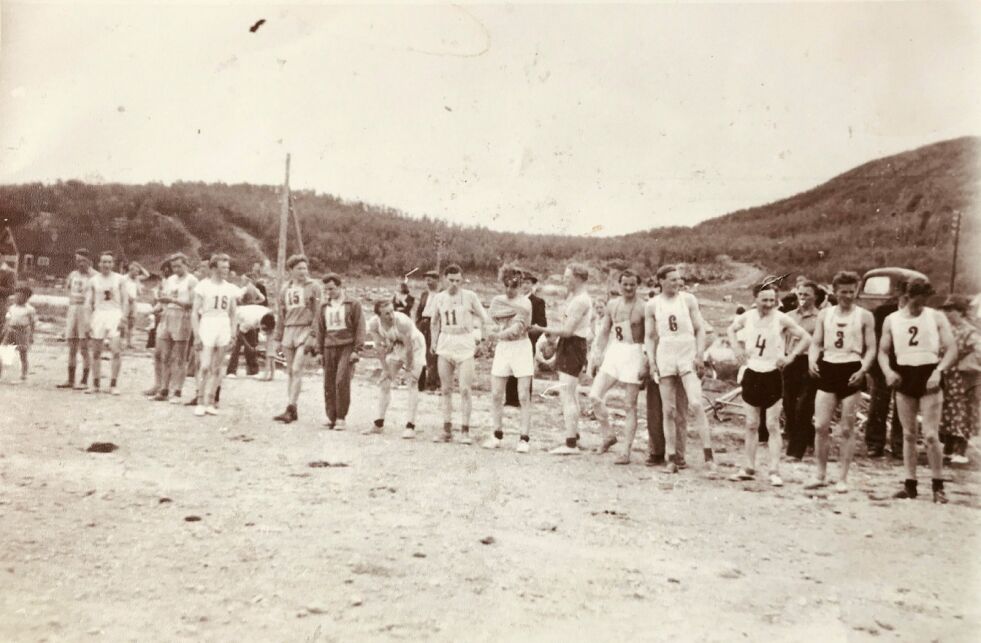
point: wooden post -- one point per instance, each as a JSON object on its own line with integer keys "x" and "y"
{"x": 296, "y": 225}
{"x": 284, "y": 216}
{"x": 439, "y": 252}
{"x": 957, "y": 238}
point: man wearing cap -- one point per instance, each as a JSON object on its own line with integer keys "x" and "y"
{"x": 424, "y": 319}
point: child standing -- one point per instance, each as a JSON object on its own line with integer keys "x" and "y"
{"x": 21, "y": 319}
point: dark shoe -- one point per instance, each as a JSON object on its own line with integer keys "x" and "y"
{"x": 66, "y": 385}
{"x": 681, "y": 463}
{"x": 908, "y": 492}
{"x": 287, "y": 416}
{"x": 160, "y": 397}
{"x": 876, "y": 452}
{"x": 192, "y": 402}
{"x": 654, "y": 460}
{"x": 940, "y": 497}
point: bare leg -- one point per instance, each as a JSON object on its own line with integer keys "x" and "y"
{"x": 524, "y": 399}
{"x": 97, "y": 361}
{"x": 597, "y": 396}
{"x": 413, "y": 402}
{"x": 446, "y": 373}
{"x": 115, "y": 346}
{"x": 204, "y": 375}
{"x": 824, "y": 408}
{"x": 752, "y": 436}
{"x": 849, "y": 406}
{"x": 631, "y": 392}
{"x": 384, "y": 395}
{"x": 498, "y": 390}
{"x": 776, "y": 441}
{"x": 693, "y": 390}
{"x": 669, "y": 403}
{"x": 466, "y": 389}
{"x": 907, "y": 407}
{"x": 570, "y": 409}
{"x": 931, "y": 405}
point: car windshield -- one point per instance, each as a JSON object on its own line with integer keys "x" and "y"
{"x": 878, "y": 285}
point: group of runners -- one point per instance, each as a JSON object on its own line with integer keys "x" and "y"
{"x": 657, "y": 343}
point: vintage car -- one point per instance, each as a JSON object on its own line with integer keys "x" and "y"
{"x": 883, "y": 286}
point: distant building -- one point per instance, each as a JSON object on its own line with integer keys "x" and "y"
{"x": 38, "y": 254}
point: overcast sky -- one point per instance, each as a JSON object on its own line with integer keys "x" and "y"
{"x": 574, "y": 119}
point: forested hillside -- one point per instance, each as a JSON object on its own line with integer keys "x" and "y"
{"x": 892, "y": 211}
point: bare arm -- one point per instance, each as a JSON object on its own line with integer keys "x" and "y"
{"x": 478, "y": 309}
{"x": 885, "y": 349}
{"x": 603, "y": 337}
{"x": 196, "y": 304}
{"x": 233, "y": 316}
{"x": 572, "y": 319}
{"x": 795, "y": 330}
{"x": 434, "y": 327}
{"x": 868, "y": 334}
{"x": 817, "y": 345}
{"x": 698, "y": 324}
{"x": 738, "y": 346}
{"x": 650, "y": 338}
{"x": 949, "y": 346}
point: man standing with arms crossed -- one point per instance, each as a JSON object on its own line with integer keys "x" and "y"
{"x": 918, "y": 334}
{"x": 339, "y": 337}
{"x": 399, "y": 345}
{"x": 619, "y": 345}
{"x": 571, "y": 354}
{"x": 841, "y": 353}
{"x": 108, "y": 303}
{"x": 174, "y": 329}
{"x": 77, "y": 326}
{"x": 454, "y": 312}
{"x": 298, "y": 304}
{"x": 424, "y": 318}
{"x": 213, "y": 319}
{"x": 675, "y": 345}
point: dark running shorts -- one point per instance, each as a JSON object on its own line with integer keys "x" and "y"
{"x": 762, "y": 390}
{"x": 570, "y": 355}
{"x": 834, "y": 378}
{"x": 913, "y": 379}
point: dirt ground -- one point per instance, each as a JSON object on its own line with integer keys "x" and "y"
{"x": 401, "y": 540}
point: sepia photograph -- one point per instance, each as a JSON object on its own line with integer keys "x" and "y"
{"x": 490, "y": 322}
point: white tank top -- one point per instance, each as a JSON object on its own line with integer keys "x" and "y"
{"x": 916, "y": 340}
{"x": 391, "y": 335}
{"x": 77, "y": 282}
{"x": 673, "y": 319}
{"x": 180, "y": 289}
{"x": 107, "y": 291}
{"x": 622, "y": 331}
{"x": 216, "y": 299}
{"x": 843, "y": 338}
{"x": 455, "y": 313}
{"x": 764, "y": 340}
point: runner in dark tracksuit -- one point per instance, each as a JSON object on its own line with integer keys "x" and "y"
{"x": 340, "y": 334}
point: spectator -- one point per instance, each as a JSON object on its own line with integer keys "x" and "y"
{"x": 8, "y": 282}
{"x": 959, "y": 418}
{"x": 403, "y": 300}
{"x": 133, "y": 283}
{"x": 258, "y": 280}
{"x": 799, "y": 389}
{"x": 539, "y": 318}
{"x": 881, "y": 397}
{"x": 429, "y": 380}
{"x": 20, "y": 322}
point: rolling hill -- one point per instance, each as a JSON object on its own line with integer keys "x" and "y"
{"x": 896, "y": 210}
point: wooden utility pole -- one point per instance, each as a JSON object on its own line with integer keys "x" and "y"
{"x": 284, "y": 216}
{"x": 957, "y": 239}
{"x": 296, "y": 225}
{"x": 439, "y": 252}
